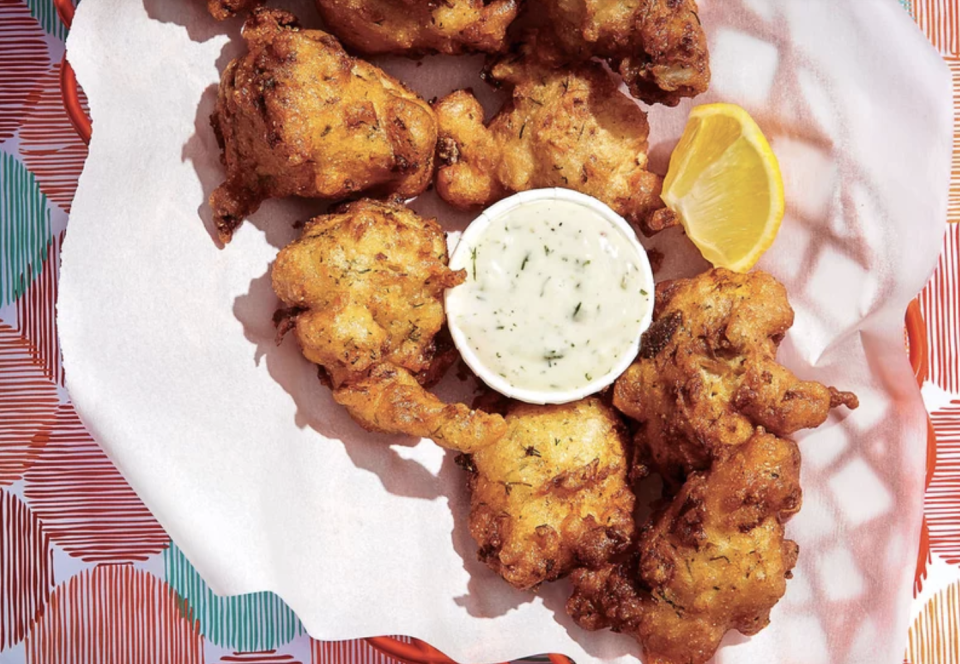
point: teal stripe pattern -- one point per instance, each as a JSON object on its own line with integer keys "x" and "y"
{"x": 24, "y": 228}
{"x": 46, "y": 14}
{"x": 254, "y": 622}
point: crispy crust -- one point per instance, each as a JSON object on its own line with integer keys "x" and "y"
{"x": 415, "y": 27}
{"x": 298, "y": 116}
{"x": 657, "y": 46}
{"x": 224, "y": 9}
{"x": 712, "y": 560}
{"x": 552, "y": 493}
{"x": 707, "y": 374}
{"x": 564, "y": 126}
{"x": 362, "y": 288}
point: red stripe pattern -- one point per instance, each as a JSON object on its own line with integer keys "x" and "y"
{"x": 939, "y": 20}
{"x": 50, "y": 146}
{"x": 85, "y": 505}
{"x": 262, "y": 657}
{"x": 338, "y": 652}
{"x": 953, "y": 200}
{"x": 26, "y": 569}
{"x": 36, "y": 311}
{"x": 935, "y": 634}
{"x": 28, "y": 402}
{"x": 942, "y": 501}
{"x": 940, "y": 305}
{"x": 923, "y": 558}
{"x": 23, "y": 59}
{"x": 114, "y": 614}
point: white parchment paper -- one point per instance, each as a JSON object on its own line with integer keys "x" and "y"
{"x": 266, "y": 485}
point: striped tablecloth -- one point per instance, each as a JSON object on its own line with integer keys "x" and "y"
{"x": 82, "y": 561}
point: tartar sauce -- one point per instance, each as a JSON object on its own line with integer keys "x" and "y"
{"x": 556, "y": 297}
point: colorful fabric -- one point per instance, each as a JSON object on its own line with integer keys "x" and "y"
{"x": 86, "y": 573}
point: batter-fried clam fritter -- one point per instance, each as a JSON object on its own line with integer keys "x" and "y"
{"x": 712, "y": 404}
{"x": 658, "y": 46}
{"x": 363, "y": 290}
{"x": 707, "y": 373}
{"x": 224, "y": 9}
{"x": 563, "y": 127}
{"x": 411, "y": 27}
{"x": 298, "y": 116}
{"x": 552, "y": 494}
{"x": 712, "y": 560}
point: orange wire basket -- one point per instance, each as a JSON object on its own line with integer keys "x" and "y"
{"x": 419, "y": 652}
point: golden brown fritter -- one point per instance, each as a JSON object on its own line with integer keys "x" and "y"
{"x": 412, "y": 27}
{"x": 707, "y": 373}
{"x": 552, "y": 494}
{"x": 224, "y": 9}
{"x": 714, "y": 559}
{"x": 563, "y": 127}
{"x": 369, "y": 280}
{"x": 363, "y": 290}
{"x": 658, "y": 46}
{"x": 391, "y": 400}
{"x": 298, "y": 116}
{"x": 705, "y": 390}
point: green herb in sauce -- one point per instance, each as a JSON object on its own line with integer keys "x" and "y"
{"x": 531, "y": 316}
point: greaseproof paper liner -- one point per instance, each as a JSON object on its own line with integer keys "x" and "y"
{"x": 266, "y": 485}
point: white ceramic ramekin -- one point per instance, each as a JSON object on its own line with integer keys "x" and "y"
{"x": 460, "y": 259}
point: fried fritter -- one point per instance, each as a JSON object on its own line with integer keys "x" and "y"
{"x": 391, "y": 400}
{"x": 298, "y": 116}
{"x": 714, "y": 559}
{"x": 707, "y": 373}
{"x": 369, "y": 281}
{"x": 706, "y": 390}
{"x": 363, "y": 290}
{"x": 658, "y": 46}
{"x": 412, "y": 27}
{"x": 224, "y": 9}
{"x": 551, "y": 494}
{"x": 563, "y": 127}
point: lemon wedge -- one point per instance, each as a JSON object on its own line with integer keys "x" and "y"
{"x": 724, "y": 183}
